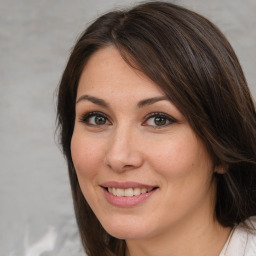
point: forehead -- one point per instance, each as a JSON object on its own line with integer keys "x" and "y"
{"x": 106, "y": 71}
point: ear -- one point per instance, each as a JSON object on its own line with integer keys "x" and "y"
{"x": 221, "y": 168}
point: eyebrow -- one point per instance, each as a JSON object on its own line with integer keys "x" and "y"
{"x": 94, "y": 100}
{"x": 103, "y": 103}
{"x": 151, "y": 101}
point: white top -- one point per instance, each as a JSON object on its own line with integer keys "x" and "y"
{"x": 241, "y": 241}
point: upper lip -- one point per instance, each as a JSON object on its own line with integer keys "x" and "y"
{"x": 125, "y": 185}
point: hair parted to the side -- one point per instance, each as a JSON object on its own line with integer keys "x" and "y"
{"x": 193, "y": 63}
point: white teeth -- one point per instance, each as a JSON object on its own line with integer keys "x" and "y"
{"x": 136, "y": 191}
{"x": 120, "y": 192}
{"x": 128, "y": 192}
{"x": 143, "y": 190}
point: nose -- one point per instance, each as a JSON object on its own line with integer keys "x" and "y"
{"x": 123, "y": 151}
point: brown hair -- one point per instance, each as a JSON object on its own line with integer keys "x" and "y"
{"x": 193, "y": 63}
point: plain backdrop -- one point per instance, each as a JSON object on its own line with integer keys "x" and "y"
{"x": 36, "y": 36}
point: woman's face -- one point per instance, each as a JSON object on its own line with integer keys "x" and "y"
{"x": 141, "y": 167}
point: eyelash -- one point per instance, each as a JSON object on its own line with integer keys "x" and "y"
{"x": 85, "y": 119}
{"x": 168, "y": 119}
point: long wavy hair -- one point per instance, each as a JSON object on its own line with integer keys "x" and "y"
{"x": 196, "y": 67}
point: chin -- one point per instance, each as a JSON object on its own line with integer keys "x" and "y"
{"x": 125, "y": 229}
{"x": 126, "y": 234}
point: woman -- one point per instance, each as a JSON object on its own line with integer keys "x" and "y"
{"x": 158, "y": 128}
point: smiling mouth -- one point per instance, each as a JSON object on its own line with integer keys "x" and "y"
{"x": 128, "y": 192}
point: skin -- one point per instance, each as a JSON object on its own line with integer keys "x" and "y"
{"x": 178, "y": 218}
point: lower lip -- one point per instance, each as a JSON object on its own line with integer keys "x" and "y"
{"x": 125, "y": 201}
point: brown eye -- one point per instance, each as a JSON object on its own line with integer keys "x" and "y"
{"x": 99, "y": 120}
{"x": 158, "y": 120}
{"x": 95, "y": 118}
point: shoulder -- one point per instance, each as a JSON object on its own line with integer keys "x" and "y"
{"x": 242, "y": 240}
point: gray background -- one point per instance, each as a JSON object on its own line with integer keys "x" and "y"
{"x": 36, "y": 214}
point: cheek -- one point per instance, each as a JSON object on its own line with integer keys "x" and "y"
{"x": 182, "y": 158}
{"x": 171, "y": 156}
{"x": 86, "y": 155}
{"x": 186, "y": 169}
